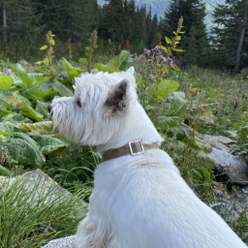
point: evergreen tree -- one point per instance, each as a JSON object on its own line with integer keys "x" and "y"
{"x": 195, "y": 40}
{"x": 230, "y": 32}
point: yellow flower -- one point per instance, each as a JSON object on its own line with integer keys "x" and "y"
{"x": 162, "y": 135}
{"x": 245, "y": 112}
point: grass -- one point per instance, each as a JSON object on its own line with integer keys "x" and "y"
{"x": 30, "y": 218}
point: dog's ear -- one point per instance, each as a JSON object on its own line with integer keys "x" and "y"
{"x": 117, "y": 98}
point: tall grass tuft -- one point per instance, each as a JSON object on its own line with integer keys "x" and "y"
{"x": 30, "y": 218}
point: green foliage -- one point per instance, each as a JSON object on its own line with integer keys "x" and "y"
{"x": 30, "y": 220}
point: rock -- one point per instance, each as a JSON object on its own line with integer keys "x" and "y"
{"x": 24, "y": 62}
{"x": 67, "y": 242}
{"x": 218, "y": 142}
{"x": 229, "y": 164}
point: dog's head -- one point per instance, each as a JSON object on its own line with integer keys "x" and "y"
{"x": 98, "y": 108}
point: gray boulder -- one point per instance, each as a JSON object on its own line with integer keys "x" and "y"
{"x": 67, "y": 242}
{"x": 227, "y": 163}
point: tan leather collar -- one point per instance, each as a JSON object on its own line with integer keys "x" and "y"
{"x": 133, "y": 148}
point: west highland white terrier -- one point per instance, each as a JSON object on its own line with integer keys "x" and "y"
{"x": 139, "y": 198}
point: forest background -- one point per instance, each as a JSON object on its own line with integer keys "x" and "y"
{"x": 224, "y": 45}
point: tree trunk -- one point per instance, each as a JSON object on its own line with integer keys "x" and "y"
{"x": 241, "y": 40}
{"x": 5, "y": 25}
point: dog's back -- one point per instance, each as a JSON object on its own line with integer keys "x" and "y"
{"x": 148, "y": 205}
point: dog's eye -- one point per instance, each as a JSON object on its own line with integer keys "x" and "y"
{"x": 79, "y": 103}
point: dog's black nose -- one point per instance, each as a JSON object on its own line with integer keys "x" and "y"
{"x": 49, "y": 108}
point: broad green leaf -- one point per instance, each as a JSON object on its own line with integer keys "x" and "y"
{"x": 178, "y": 107}
{"x": 11, "y": 102}
{"x": 62, "y": 90}
{"x": 13, "y": 117}
{"x": 39, "y": 128}
{"x": 31, "y": 113}
{"x": 107, "y": 68}
{"x": 6, "y": 82}
{"x": 122, "y": 62}
{"x": 168, "y": 84}
{"x": 38, "y": 78}
{"x": 72, "y": 72}
{"x": 167, "y": 122}
{"x": 4, "y": 112}
{"x": 41, "y": 108}
{"x": 83, "y": 61}
{"x": 7, "y": 127}
{"x": 167, "y": 40}
{"x": 50, "y": 144}
{"x": 179, "y": 94}
{"x": 27, "y": 138}
{"x": 23, "y": 75}
{"x": 36, "y": 93}
{"x": 24, "y": 152}
{"x": 4, "y": 93}
{"x": 162, "y": 93}
{"x": 44, "y": 47}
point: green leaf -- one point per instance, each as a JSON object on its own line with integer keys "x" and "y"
{"x": 178, "y": 37}
{"x": 62, "y": 90}
{"x": 23, "y": 75}
{"x": 24, "y": 152}
{"x": 31, "y": 113}
{"x": 11, "y": 102}
{"x": 178, "y": 50}
{"x": 27, "y": 138}
{"x": 4, "y": 112}
{"x": 41, "y": 108}
{"x": 7, "y": 127}
{"x": 44, "y": 47}
{"x": 72, "y": 72}
{"x": 167, "y": 122}
{"x": 122, "y": 62}
{"x": 38, "y": 78}
{"x": 169, "y": 84}
{"x": 35, "y": 93}
{"x": 6, "y": 82}
{"x": 39, "y": 128}
{"x": 83, "y": 61}
{"x": 50, "y": 144}
{"x": 4, "y": 171}
{"x": 13, "y": 117}
{"x": 167, "y": 40}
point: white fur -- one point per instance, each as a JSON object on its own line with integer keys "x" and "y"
{"x": 138, "y": 201}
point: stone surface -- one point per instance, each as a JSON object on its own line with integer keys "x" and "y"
{"x": 227, "y": 163}
{"x": 67, "y": 242}
{"x": 219, "y": 142}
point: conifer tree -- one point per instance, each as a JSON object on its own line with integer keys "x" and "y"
{"x": 231, "y": 29}
{"x": 195, "y": 40}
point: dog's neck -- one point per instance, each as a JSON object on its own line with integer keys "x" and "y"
{"x": 137, "y": 126}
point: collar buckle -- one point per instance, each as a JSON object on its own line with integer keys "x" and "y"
{"x": 132, "y": 150}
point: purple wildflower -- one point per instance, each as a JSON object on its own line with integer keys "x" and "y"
{"x": 168, "y": 100}
{"x": 170, "y": 61}
{"x": 158, "y": 50}
{"x": 147, "y": 52}
{"x": 186, "y": 92}
{"x": 134, "y": 55}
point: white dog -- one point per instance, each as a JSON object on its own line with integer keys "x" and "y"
{"x": 139, "y": 199}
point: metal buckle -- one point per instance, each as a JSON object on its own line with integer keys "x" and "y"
{"x": 131, "y": 149}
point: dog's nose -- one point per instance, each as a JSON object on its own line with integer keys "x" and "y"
{"x": 49, "y": 108}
